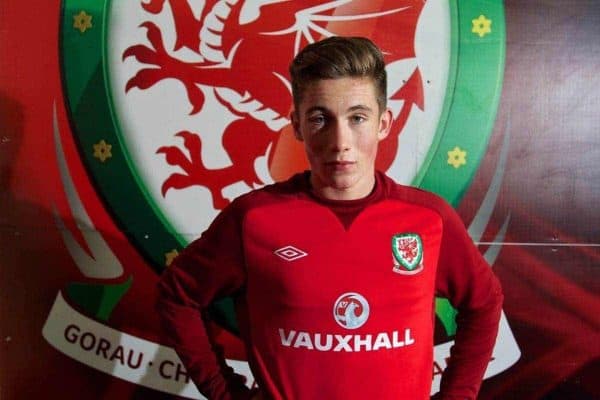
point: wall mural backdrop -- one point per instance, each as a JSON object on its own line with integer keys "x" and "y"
{"x": 127, "y": 126}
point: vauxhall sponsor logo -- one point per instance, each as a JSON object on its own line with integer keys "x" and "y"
{"x": 350, "y": 311}
{"x": 348, "y": 343}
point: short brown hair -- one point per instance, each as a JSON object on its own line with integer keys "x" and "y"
{"x": 339, "y": 57}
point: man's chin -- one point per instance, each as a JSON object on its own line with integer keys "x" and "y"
{"x": 342, "y": 181}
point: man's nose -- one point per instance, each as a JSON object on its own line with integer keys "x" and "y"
{"x": 341, "y": 137}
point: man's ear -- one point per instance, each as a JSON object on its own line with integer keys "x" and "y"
{"x": 385, "y": 124}
{"x": 296, "y": 125}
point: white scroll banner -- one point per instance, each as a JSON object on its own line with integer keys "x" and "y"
{"x": 158, "y": 367}
{"x": 122, "y": 355}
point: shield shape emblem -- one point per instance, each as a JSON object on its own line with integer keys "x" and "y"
{"x": 407, "y": 249}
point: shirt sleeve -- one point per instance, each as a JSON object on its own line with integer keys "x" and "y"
{"x": 467, "y": 281}
{"x": 210, "y": 268}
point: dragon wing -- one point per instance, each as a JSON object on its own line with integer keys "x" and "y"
{"x": 330, "y": 19}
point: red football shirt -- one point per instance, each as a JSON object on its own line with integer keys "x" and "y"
{"x": 335, "y": 299}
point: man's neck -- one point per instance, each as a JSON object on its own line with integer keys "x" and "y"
{"x": 356, "y": 192}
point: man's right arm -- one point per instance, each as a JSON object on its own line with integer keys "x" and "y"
{"x": 211, "y": 267}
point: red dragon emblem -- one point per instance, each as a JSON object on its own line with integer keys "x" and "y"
{"x": 409, "y": 249}
{"x": 244, "y": 48}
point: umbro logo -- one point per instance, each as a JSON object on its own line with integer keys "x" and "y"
{"x": 290, "y": 253}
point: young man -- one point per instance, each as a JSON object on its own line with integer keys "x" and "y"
{"x": 334, "y": 272}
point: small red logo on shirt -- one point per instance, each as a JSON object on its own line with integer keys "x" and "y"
{"x": 407, "y": 249}
{"x": 351, "y": 310}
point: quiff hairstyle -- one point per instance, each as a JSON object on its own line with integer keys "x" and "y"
{"x": 339, "y": 57}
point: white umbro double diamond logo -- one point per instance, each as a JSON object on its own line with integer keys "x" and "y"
{"x": 290, "y": 253}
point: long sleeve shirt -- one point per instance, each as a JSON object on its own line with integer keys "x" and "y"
{"x": 334, "y": 299}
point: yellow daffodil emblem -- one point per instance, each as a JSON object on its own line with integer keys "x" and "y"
{"x": 457, "y": 157}
{"x": 102, "y": 150}
{"x": 482, "y": 26}
{"x": 82, "y": 21}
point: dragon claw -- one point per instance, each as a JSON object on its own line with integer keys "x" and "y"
{"x": 153, "y": 34}
{"x": 176, "y": 181}
{"x": 144, "y": 79}
{"x": 193, "y": 144}
{"x": 141, "y": 53}
{"x": 153, "y": 54}
{"x": 194, "y": 170}
{"x": 174, "y": 156}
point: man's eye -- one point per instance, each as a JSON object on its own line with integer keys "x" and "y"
{"x": 317, "y": 120}
{"x": 357, "y": 119}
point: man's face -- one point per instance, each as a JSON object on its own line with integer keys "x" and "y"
{"x": 340, "y": 123}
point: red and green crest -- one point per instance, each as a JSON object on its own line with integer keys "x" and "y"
{"x": 407, "y": 249}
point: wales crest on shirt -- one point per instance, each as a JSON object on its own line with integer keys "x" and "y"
{"x": 407, "y": 249}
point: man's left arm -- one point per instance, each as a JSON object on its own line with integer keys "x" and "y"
{"x": 465, "y": 278}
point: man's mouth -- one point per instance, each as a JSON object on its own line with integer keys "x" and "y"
{"x": 340, "y": 164}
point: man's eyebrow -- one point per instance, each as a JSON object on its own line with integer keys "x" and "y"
{"x": 360, "y": 107}
{"x": 315, "y": 108}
